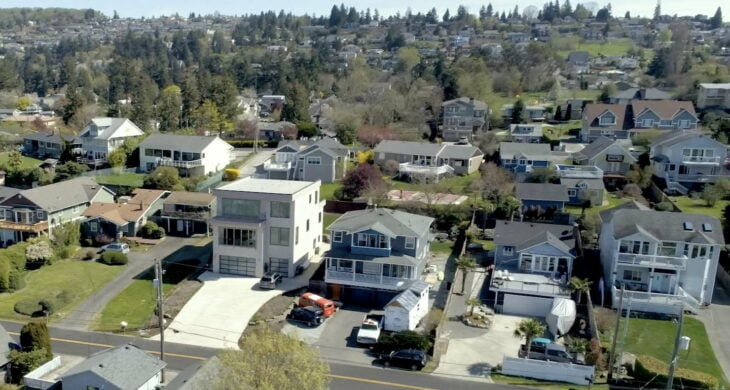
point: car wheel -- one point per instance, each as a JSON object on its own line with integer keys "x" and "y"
{"x": 310, "y": 324}
{"x": 386, "y": 363}
{"x": 414, "y": 367}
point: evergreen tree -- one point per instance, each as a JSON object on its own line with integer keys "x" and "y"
{"x": 169, "y": 108}
{"x": 716, "y": 20}
{"x": 490, "y": 10}
{"x": 34, "y": 336}
{"x": 657, "y": 11}
{"x": 447, "y": 16}
{"x": 518, "y": 111}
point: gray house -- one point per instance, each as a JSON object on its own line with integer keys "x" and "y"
{"x": 607, "y": 120}
{"x": 627, "y": 95}
{"x": 375, "y": 254}
{"x": 541, "y": 197}
{"x": 533, "y": 263}
{"x": 613, "y": 157}
{"x": 429, "y": 159}
{"x": 663, "y": 115}
{"x": 325, "y": 160}
{"x": 125, "y": 367}
{"x": 525, "y": 133}
{"x": 46, "y": 144}
{"x": 463, "y": 117}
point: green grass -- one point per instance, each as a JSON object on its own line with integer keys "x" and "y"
{"x": 124, "y": 179}
{"x": 83, "y": 278}
{"x": 613, "y": 47}
{"x": 327, "y": 190}
{"x": 556, "y": 132}
{"x": 656, "y": 339}
{"x": 136, "y": 303}
{"x": 698, "y": 206}
{"x": 487, "y": 244}
{"x": 519, "y": 381}
{"x": 27, "y": 162}
{"x": 612, "y": 201}
{"x": 442, "y": 246}
{"x": 328, "y": 218}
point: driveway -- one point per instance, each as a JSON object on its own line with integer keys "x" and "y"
{"x": 248, "y": 168}
{"x": 716, "y": 318}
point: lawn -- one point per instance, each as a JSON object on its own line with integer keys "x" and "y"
{"x": 83, "y": 278}
{"x": 698, "y": 206}
{"x": 454, "y": 184}
{"x": 527, "y": 382}
{"x": 28, "y": 162}
{"x": 442, "y": 246}
{"x": 614, "y": 47}
{"x": 327, "y": 190}
{"x": 327, "y": 221}
{"x": 556, "y": 132}
{"x": 136, "y": 303}
{"x": 124, "y": 179}
{"x": 612, "y": 201}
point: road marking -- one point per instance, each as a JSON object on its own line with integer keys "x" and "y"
{"x": 111, "y": 346}
{"x": 376, "y": 382}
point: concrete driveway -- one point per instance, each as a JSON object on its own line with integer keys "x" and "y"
{"x": 716, "y": 317}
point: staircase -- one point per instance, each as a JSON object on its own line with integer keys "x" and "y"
{"x": 673, "y": 186}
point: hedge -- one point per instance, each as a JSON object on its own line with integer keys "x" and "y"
{"x": 114, "y": 258}
{"x": 151, "y": 230}
{"x": 51, "y": 304}
{"x": 250, "y": 143}
{"x": 12, "y": 267}
{"x": 648, "y": 367}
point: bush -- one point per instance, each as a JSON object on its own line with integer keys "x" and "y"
{"x": 49, "y": 305}
{"x": 151, "y": 230}
{"x": 39, "y": 252}
{"x": 595, "y": 354}
{"x": 89, "y": 255}
{"x": 28, "y": 307}
{"x": 17, "y": 279}
{"x": 113, "y": 258}
{"x": 250, "y": 143}
{"x": 22, "y": 363}
{"x": 402, "y": 340}
{"x": 231, "y": 174}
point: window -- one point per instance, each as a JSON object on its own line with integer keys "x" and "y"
{"x": 93, "y": 227}
{"x": 245, "y": 208}
{"x": 237, "y": 237}
{"x": 337, "y": 236}
{"x": 410, "y": 243}
{"x": 310, "y": 198}
{"x": 607, "y": 133}
{"x": 372, "y": 240}
{"x": 39, "y": 214}
{"x": 632, "y": 275}
{"x": 635, "y": 247}
{"x": 684, "y": 124}
{"x": 507, "y": 250}
{"x": 667, "y": 249}
{"x": 279, "y": 236}
{"x": 316, "y": 196}
{"x": 314, "y": 160}
{"x": 149, "y": 152}
{"x": 572, "y": 192}
{"x": 607, "y": 119}
{"x": 280, "y": 209}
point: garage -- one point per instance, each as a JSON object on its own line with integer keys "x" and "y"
{"x": 526, "y": 305}
{"x": 279, "y": 265}
{"x": 245, "y": 266}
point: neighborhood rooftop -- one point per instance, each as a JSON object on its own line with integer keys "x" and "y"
{"x": 126, "y": 366}
{"x": 398, "y": 223}
{"x": 188, "y": 143}
{"x": 668, "y": 226}
{"x": 266, "y": 186}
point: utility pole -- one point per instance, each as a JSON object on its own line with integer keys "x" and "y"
{"x": 612, "y": 359}
{"x": 675, "y": 353}
{"x": 160, "y": 315}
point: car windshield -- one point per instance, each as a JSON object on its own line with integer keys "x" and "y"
{"x": 266, "y": 278}
{"x": 369, "y": 327}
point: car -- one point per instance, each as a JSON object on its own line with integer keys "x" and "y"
{"x": 415, "y": 359}
{"x": 270, "y": 280}
{"x": 310, "y": 315}
{"x": 116, "y": 247}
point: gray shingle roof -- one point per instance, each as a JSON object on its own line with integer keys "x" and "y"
{"x": 509, "y": 150}
{"x": 460, "y": 151}
{"x": 126, "y": 366}
{"x": 408, "y": 298}
{"x": 64, "y": 194}
{"x": 594, "y": 148}
{"x": 344, "y": 253}
{"x": 526, "y": 234}
{"x": 678, "y": 136}
{"x": 45, "y": 136}
{"x": 478, "y": 104}
{"x": 187, "y": 143}
{"x": 107, "y": 127}
{"x": 7, "y": 192}
{"x": 668, "y": 226}
{"x": 541, "y": 191}
{"x": 396, "y": 222}
{"x": 595, "y": 184}
{"x": 606, "y": 215}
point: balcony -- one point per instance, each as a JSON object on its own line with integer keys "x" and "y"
{"x": 196, "y": 215}
{"x": 277, "y": 166}
{"x": 699, "y": 178}
{"x": 533, "y": 284}
{"x": 580, "y": 172}
{"x": 92, "y": 161}
{"x": 36, "y": 227}
{"x": 168, "y": 162}
{"x": 426, "y": 170}
{"x": 652, "y": 261}
{"x": 365, "y": 280}
{"x": 657, "y": 302}
{"x": 708, "y": 160}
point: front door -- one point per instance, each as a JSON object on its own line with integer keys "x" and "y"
{"x": 660, "y": 283}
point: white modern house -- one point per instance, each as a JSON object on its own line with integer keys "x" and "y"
{"x": 266, "y": 225}
{"x": 664, "y": 260}
{"x": 191, "y": 155}
{"x": 104, "y": 135}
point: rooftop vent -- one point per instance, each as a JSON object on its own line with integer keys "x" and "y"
{"x": 706, "y": 227}
{"x": 688, "y": 226}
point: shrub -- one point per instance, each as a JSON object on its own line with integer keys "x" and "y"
{"x": 89, "y": 255}
{"x": 114, "y": 258}
{"x": 4, "y": 276}
{"x": 49, "y": 305}
{"x": 28, "y": 307}
{"x": 649, "y": 368}
{"x": 151, "y": 230}
{"x": 39, "y": 252}
{"x": 22, "y": 363}
{"x": 402, "y": 340}
{"x": 231, "y": 174}
{"x": 595, "y": 354}
{"x": 34, "y": 336}
{"x": 664, "y": 206}
{"x": 17, "y": 279}
{"x": 65, "y": 297}
{"x": 250, "y": 143}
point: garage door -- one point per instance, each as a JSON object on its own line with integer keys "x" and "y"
{"x": 525, "y": 305}
{"x": 238, "y": 265}
{"x": 279, "y": 265}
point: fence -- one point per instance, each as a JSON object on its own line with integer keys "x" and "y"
{"x": 210, "y": 182}
{"x": 34, "y": 379}
{"x": 108, "y": 171}
{"x": 551, "y": 371}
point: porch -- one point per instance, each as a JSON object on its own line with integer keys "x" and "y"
{"x": 656, "y": 302}
{"x": 425, "y": 170}
{"x": 374, "y": 273}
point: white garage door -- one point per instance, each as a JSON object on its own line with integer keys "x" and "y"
{"x": 523, "y": 305}
{"x": 238, "y": 265}
{"x": 279, "y": 265}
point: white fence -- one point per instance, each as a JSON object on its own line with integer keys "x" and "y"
{"x": 34, "y": 379}
{"x": 552, "y": 371}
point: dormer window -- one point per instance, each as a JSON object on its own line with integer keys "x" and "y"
{"x": 607, "y": 119}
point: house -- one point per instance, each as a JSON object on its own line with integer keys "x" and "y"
{"x": 541, "y": 197}
{"x": 607, "y": 120}
{"x": 663, "y": 115}
{"x": 324, "y": 160}
{"x": 266, "y": 225}
{"x": 375, "y": 254}
{"x": 33, "y": 212}
{"x": 408, "y": 308}
{"x": 582, "y": 190}
{"x": 463, "y": 117}
{"x": 686, "y": 158}
{"x": 524, "y": 158}
{"x": 531, "y": 113}
{"x": 715, "y": 95}
{"x": 662, "y": 259}
{"x": 429, "y": 159}
{"x": 187, "y": 213}
{"x": 579, "y": 61}
{"x": 103, "y": 136}
{"x": 525, "y": 133}
{"x": 269, "y": 103}
{"x": 125, "y": 367}
{"x": 532, "y": 265}
{"x": 107, "y": 221}
{"x": 627, "y": 95}
{"x": 192, "y": 155}
{"x": 274, "y": 131}
{"x": 611, "y": 156}
{"x": 47, "y": 144}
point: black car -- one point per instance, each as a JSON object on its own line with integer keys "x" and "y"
{"x": 414, "y": 359}
{"x": 310, "y": 315}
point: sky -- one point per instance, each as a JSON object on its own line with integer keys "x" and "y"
{"x": 150, "y": 8}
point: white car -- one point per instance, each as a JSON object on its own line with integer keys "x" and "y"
{"x": 116, "y": 247}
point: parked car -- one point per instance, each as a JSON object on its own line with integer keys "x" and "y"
{"x": 369, "y": 332}
{"x": 310, "y": 299}
{"x": 116, "y": 247}
{"x": 415, "y": 359}
{"x": 311, "y": 316}
{"x": 554, "y": 353}
{"x": 270, "y": 280}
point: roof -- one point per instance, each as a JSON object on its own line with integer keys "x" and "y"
{"x": 343, "y": 253}
{"x": 593, "y": 111}
{"x": 266, "y": 186}
{"x": 46, "y": 136}
{"x": 715, "y": 85}
{"x": 596, "y": 147}
{"x": 190, "y": 198}
{"x": 460, "y": 151}
{"x": 667, "y": 226}
{"x": 197, "y": 376}
{"x": 579, "y": 56}
{"x": 122, "y": 213}
{"x": 187, "y": 143}
{"x": 665, "y": 109}
{"x": 64, "y": 194}
{"x": 533, "y": 130}
{"x": 642, "y": 94}
{"x": 592, "y": 183}
{"x": 408, "y": 298}
{"x": 396, "y": 222}
{"x": 677, "y": 136}
{"x": 606, "y": 215}
{"x": 125, "y": 366}
{"x": 107, "y": 128}
{"x": 478, "y": 104}
{"x": 523, "y": 235}
{"x": 541, "y": 191}
{"x": 7, "y": 192}
{"x": 509, "y": 150}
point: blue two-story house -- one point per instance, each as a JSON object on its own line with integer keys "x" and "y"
{"x": 520, "y": 157}
{"x": 375, "y": 254}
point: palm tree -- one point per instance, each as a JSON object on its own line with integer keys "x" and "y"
{"x": 473, "y": 303}
{"x": 529, "y": 329}
{"x": 466, "y": 265}
{"x": 581, "y": 286}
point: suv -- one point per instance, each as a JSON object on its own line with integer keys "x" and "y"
{"x": 414, "y": 359}
{"x": 270, "y": 280}
{"x": 116, "y": 247}
{"x": 310, "y": 315}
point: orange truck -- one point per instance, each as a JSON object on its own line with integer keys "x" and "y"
{"x": 310, "y": 299}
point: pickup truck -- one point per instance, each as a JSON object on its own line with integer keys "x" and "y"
{"x": 551, "y": 352}
{"x": 369, "y": 332}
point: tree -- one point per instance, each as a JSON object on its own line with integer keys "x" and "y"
{"x": 716, "y": 20}
{"x": 465, "y": 265}
{"x": 657, "y": 11}
{"x": 472, "y": 303}
{"x": 117, "y": 158}
{"x": 169, "y": 106}
{"x": 163, "y": 178}
{"x": 34, "y": 336}
{"x": 69, "y": 170}
{"x": 580, "y": 286}
{"x": 494, "y": 182}
{"x": 640, "y": 176}
{"x": 711, "y": 194}
{"x": 365, "y": 177}
{"x": 23, "y": 103}
{"x": 39, "y": 252}
{"x": 529, "y": 329}
{"x": 270, "y": 360}
{"x": 21, "y": 363}
{"x": 373, "y": 135}
{"x": 542, "y": 175}
{"x": 207, "y": 116}
{"x": 15, "y": 160}
{"x": 345, "y": 133}
{"x": 518, "y": 112}
{"x": 603, "y": 14}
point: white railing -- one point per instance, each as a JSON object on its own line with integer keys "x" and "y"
{"x": 179, "y": 163}
{"x": 277, "y": 166}
{"x": 658, "y": 302}
{"x": 410, "y": 168}
{"x": 701, "y": 159}
{"x": 372, "y": 279}
{"x": 652, "y": 261}
{"x": 580, "y": 172}
{"x": 697, "y": 178}
{"x": 92, "y": 161}
{"x": 551, "y": 289}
